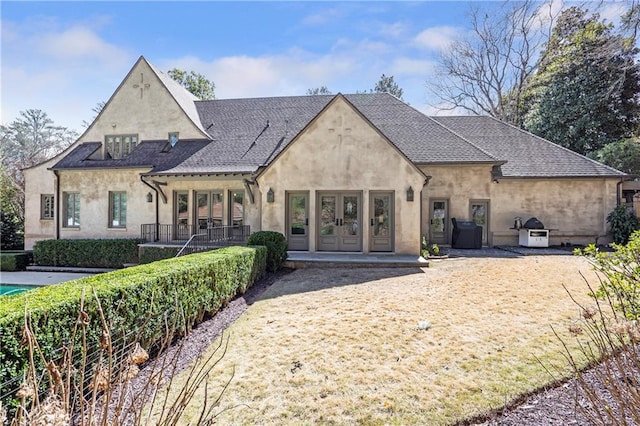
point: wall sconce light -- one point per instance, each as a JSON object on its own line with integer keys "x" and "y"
{"x": 270, "y": 196}
{"x": 149, "y": 197}
{"x": 410, "y": 194}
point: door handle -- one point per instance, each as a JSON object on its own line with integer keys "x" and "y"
{"x": 371, "y": 221}
{"x": 337, "y": 222}
{"x": 306, "y": 221}
{"x": 341, "y": 222}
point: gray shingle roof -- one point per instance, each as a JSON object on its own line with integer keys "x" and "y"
{"x": 247, "y": 134}
{"x": 241, "y": 138}
{"x": 152, "y": 154}
{"x": 527, "y": 155}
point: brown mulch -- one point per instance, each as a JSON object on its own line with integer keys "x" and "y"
{"x": 562, "y": 404}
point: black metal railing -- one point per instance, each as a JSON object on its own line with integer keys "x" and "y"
{"x": 217, "y": 236}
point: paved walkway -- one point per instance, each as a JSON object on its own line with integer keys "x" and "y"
{"x": 506, "y": 251}
{"x": 352, "y": 260}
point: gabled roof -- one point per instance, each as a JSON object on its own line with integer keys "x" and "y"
{"x": 248, "y": 133}
{"x": 527, "y": 155}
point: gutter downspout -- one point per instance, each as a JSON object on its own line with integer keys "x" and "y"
{"x": 57, "y": 202}
{"x": 156, "y": 233}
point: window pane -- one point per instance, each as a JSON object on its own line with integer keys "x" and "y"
{"x": 237, "y": 208}
{"x": 118, "y": 209}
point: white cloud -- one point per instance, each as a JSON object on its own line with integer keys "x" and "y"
{"x": 65, "y": 70}
{"x": 409, "y": 66}
{"x": 437, "y": 38}
{"x": 323, "y": 18}
{"x": 80, "y": 42}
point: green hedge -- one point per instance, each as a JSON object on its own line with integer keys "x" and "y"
{"x": 150, "y": 254}
{"x": 138, "y": 301}
{"x": 276, "y": 245}
{"x": 15, "y": 260}
{"x": 86, "y": 253}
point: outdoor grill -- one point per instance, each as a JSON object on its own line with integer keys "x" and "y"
{"x": 466, "y": 234}
{"x": 533, "y": 234}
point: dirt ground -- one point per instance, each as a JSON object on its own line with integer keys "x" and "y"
{"x": 400, "y": 346}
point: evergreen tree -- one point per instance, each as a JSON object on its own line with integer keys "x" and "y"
{"x": 584, "y": 94}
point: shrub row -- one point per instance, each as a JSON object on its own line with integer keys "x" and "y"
{"x": 150, "y": 254}
{"x": 112, "y": 253}
{"x": 15, "y": 260}
{"x": 142, "y": 301}
{"x": 276, "y": 245}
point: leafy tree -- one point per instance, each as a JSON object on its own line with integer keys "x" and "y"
{"x": 487, "y": 71}
{"x": 30, "y": 139}
{"x": 195, "y": 83}
{"x": 388, "y": 85}
{"x": 322, "y": 90}
{"x": 97, "y": 110}
{"x": 585, "y": 93}
{"x": 11, "y": 210}
{"x": 623, "y": 155}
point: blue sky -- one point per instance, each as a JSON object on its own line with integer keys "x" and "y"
{"x": 65, "y": 57}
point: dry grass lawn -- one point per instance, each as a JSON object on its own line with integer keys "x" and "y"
{"x": 344, "y": 346}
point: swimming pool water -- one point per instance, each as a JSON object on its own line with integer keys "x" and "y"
{"x": 11, "y": 289}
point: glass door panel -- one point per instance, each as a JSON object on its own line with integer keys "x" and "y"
{"x": 479, "y": 213}
{"x": 350, "y": 214}
{"x": 438, "y": 217}
{"x": 328, "y": 214}
{"x": 181, "y": 216}
{"x": 298, "y": 221}
{"x": 298, "y": 215}
{"x": 202, "y": 212}
{"x": 381, "y": 217}
{"x": 381, "y": 212}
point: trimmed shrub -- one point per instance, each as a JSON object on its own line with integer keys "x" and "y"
{"x": 152, "y": 254}
{"x": 276, "y": 245}
{"x": 14, "y": 261}
{"x": 142, "y": 302}
{"x": 113, "y": 253}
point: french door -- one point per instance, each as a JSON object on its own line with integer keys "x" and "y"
{"x": 479, "y": 213}
{"x": 439, "y": 221}
{"x": 298, "y": 220}
{"x": 381, "y": 214}
{"x": 339, "y": 219}
{"x": 208, "y": 212}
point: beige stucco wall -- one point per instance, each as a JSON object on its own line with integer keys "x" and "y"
{"x": 151, "y": 116}
{"x": 340, "y": 151}
{"x": 37, "y": 181}
{"x": 575, "y": 208}
{"x": 94, "y": 187}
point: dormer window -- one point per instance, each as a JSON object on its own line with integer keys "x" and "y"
{"x": 119, "y": 146}
{"x": 173, "y": 138}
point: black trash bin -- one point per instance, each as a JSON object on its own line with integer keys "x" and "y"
{"x": 466, "y": 234}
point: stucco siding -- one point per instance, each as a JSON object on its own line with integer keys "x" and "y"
{"x": 141, "y": 106}
{"x": 340, "y": 152}
{"x": 576, "y": 209}
{"x": 94, "y": 187}
{"x": 38, "y": 181}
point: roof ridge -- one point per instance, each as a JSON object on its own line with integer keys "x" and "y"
{"x": 466, "y": 140}
{"x": 548, "y": 142}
